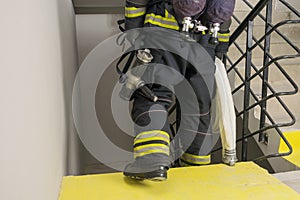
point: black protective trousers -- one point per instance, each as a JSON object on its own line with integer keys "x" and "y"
{"x": 194, "y": 92}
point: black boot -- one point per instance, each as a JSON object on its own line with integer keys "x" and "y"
{"x": 156, "y": 174}
{"x": 150, "y": 167}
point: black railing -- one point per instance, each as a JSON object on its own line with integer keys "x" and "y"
{"x": 262, "y": 72}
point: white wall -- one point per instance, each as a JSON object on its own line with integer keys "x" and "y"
{"x": 38, "y": 63}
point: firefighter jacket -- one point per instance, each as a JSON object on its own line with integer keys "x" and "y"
{"x": 159, "y": 13}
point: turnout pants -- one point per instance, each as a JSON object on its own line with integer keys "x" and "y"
{"x": 194, "y": 92}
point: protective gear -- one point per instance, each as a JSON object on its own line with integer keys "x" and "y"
{"x": 135, "y": 11}
{"x": 155, "y": 143}
{"x": 188, "y": 8}
{"x": 152, "y": 145}
{"x": 223, "y": 37}
{"x": 140, "y": 13}
{"x": 158, "y": 173}
{"x": 159, "y": 15}
{"x": 187, "y": 160}
{"x": 151, "y": 166}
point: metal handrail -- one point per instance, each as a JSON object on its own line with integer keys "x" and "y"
{"x": 255, "y": 11}
{"x": 246, "y": 24}
{"x": 277, "y": 31}
{"x": 273, "y": 59}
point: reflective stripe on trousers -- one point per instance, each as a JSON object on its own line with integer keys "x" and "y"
{"x": 151, "y": 142}
{"x": 191, "y": 160}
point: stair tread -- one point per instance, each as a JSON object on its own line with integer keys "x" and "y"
{"x": 292, "y": 179}
{"x": 294, "y": 138}
{"x": 244, "y": 181}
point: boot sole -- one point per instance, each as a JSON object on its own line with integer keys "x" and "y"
{"x": 158, "y": 175}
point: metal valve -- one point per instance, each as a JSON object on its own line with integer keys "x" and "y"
{"x": 229, "y": 157}
{"x": 187, "y": 24}
{"x": 199, "y": 27}
{"x": 215, "y": 28}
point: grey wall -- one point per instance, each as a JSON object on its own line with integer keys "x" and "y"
{"x": 38, "y": 64}
{"x": 92, "y": 30}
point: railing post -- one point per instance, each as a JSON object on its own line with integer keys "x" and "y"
{"x": 264, "y": 92}
{"x": 247, "y": 90}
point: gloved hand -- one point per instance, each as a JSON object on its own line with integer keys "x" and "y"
{"x": 229, "y": 157}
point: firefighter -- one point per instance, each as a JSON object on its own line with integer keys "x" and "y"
{"x": 152, "y": 143}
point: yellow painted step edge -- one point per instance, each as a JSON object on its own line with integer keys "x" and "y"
{"x": 245, "y": 181}
{"x": 294, "y": 138}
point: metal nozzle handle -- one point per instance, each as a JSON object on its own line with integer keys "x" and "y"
{"x": 148, "y": 93}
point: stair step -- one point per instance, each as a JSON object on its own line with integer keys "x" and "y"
{"x": 214, "y": 182}
{"x": 291, "y": 179}
{"x": 294, "y": 139}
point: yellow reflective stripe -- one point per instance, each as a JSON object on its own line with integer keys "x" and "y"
{"x": 223, "y": 40}
{"x": 224, "y": 34}
{"x": 162, "y": 25}
{"x": 152, "y": 149}
{"x": 152, "y": 15}
{"x": 162, "y": 146}
{"x": 168, "y": 15}
{"x": 134, "y": 8}
{"x": 196, "y": 159}
{"x": 183, "y": 164}
{"x": 135, "y": 15}
{"x": 152, "y": 133}
{"x": 197, "y": 156}
{"x": 150, "y": 152}
{"x": 150, "y": 139}
{"x": 223, "y": 37}
{"x": 132, "y": 12}
{"x": 161, "y": 21}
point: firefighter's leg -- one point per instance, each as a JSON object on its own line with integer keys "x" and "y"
{"x": 151, "y": 144}
{"x": 198, "y": 140}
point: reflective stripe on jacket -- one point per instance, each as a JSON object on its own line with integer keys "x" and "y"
{"x": 138, "y": 15}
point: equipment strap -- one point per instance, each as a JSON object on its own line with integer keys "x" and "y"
{"x": 120, "y": 22}
{"x": 128, "y": 63}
